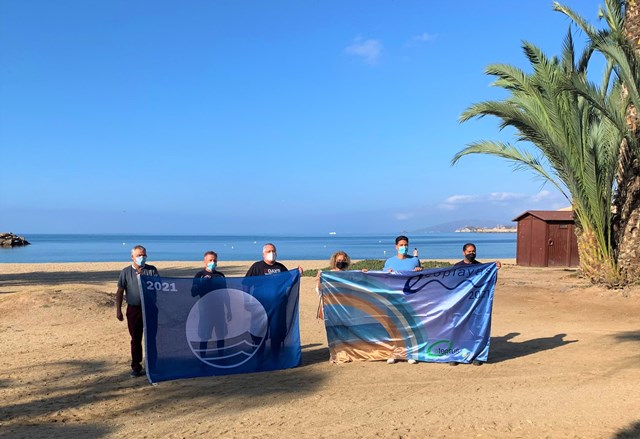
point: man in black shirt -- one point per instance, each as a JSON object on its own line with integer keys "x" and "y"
{"x": 210, "y": 264}
{"x": 469, "y": 253}
{"x": 268, "y": 265}
{"x": 278, "y": 322}
{"x": 212, "y": 318}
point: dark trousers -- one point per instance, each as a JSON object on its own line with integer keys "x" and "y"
{"x": 134, "y": 322}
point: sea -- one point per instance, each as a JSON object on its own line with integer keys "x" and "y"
{"x": 115, "y": 248}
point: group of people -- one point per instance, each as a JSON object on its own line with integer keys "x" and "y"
{"x": 129, "y": 287}
{"x": 402, "y": 261}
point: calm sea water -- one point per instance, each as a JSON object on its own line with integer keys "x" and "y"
{"x": 113, "y": 248}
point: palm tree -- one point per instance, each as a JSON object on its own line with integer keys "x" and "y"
{"x": 577, "y": 145}
{"x": 620, "y": 44}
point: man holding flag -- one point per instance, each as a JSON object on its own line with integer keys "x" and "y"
{"x": 129, "y": 283}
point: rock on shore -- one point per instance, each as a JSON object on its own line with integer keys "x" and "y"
{"x": 11, "y": 240}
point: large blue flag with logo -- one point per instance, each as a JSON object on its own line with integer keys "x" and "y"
{"x": 220, "y": 326}
{"x": 436, "y": 315}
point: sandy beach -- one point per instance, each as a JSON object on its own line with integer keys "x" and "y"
{"x": 564, "y": 363}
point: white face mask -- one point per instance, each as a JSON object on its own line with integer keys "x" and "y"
{"x": 271, "y": 256}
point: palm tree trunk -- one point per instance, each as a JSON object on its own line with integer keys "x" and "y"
{"x": 594, "y": 265}
{"x": 626, "y": 219}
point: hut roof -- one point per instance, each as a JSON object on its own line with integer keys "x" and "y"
{"x": 548, "y": 215}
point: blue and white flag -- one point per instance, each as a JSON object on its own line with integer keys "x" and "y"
{"x": 436, "y": 315}
{"x": 220, "y": 326}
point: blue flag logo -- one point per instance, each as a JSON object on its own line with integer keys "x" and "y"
{"x": 219, "y": 340}
{"x": 220, "y": 326}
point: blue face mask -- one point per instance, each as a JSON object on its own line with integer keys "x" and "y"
{"x": 403, "y": 250}
{"x": 140, "y": 260}
{"x": 211, "y": 266}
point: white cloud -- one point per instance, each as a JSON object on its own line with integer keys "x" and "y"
{"x": 369, "y": 50}
{"x": 448, "y": 207}
{"x": 462, "y": 199}
{"x": 541, "y": 196}
{"x": 498, "y": 201}
{"x": 423, "y": 38}
{"x": 505, "y": 196}
{"x": 403, "y": 216}
{"x": 491, "y": 199}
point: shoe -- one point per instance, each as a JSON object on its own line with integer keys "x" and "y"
{"x": 391, "y": 361}
{"x": 453, "y": 363}
{"x": 477, "y": 363}
{"x": 136, "y": 373}
{"x": 412, "y": 361}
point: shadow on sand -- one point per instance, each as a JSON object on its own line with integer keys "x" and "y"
{"x": 314, "y": 356}
{"x": 34, "y": 430}
{"x": 502, "y": 349}
{"x": 628, "y": 336}
{"x": 80, "y": 384}
{"x": 631, "y": 432}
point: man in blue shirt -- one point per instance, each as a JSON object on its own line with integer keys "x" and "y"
{"x": 403, "y": 261}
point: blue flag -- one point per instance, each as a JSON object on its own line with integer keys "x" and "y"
{"x": 436, "y": 315}
{"x": 220, "y": 326}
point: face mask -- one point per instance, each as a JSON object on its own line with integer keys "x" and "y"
{"x": 403, "y": 250}
{"x": 211, "y": 266}
{"x": 140, "y": 260}
{"x": 341, "y": 265}
{"x": 271, "y": 256}
{"x": 470, "y": 257}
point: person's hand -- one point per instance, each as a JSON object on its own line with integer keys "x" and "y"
{"x": 364, "y": 270}
{"x": 417, "y": 268}
{"x": 300, "y": 270}
{"x": 498, "y": 264}
{"x": 119, "y": 314}
{"x": 317, "y": 275}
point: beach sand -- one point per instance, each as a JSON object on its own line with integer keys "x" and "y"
{"x": 564, "y": 362}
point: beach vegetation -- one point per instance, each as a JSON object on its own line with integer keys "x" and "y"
{"x": 568, "y": 131}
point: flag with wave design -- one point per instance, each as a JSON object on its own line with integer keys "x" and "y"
{"x": 220, "y": 326}
{"x": 436, "y": 315}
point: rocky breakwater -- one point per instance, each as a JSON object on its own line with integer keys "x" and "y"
{"x": 11, "y": 240}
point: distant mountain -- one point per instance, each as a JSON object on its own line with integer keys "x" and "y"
{"x": 452, "y": 226}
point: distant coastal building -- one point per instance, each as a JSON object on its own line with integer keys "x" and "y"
{"x": 497, "y": 229}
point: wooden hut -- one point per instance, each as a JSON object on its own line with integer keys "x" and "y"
{"x": 546, "y": 238}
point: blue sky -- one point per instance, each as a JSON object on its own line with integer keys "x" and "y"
{"x": 246, "y": 117}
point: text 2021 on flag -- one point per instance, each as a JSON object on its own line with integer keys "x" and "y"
{"x": 220, "y": 326}
{"x": 436, "y": 315}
